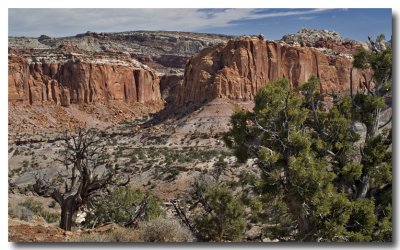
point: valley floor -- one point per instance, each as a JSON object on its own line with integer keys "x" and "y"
{"x": 164, "y": 159}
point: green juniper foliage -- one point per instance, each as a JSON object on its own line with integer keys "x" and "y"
{"x": 217, "y": 214}
{"x": 321, "y": 181}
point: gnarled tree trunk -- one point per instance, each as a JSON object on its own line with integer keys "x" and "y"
{"x": 80, "y": 181}
{"x": 303, "y": 223}
{"x": 68, "y": 209}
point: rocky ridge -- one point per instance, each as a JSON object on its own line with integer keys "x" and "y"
{"x": 165, "y": 52}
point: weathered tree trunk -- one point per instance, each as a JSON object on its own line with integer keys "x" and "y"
{"x": 362, "y": 187}
{"x": 304, "y": 227}
{"x": 68, "y": 209}
{"x": 220, "y": 235}
{"x": 372, "y": 129}
{"x": 303, "y": 222}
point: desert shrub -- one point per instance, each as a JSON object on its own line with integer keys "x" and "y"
{"x": 163, "y": 230}
{"x": 120, "y": 207}
{"x": 12, "y": 212}
{"x": 172, "y": 174}
{"x": 20, "y": 212}
{"x": 50, "y": 217}
{"x": 218, "y": 168}
{"x": 17, "y": 152}
{"x": 29, "y": 187}
{"x": 35, "y": 206}
{"x": 133, "y": 159}
{"x": 25, "y": 164}
{"x": 32, "y": 207}
{"x": 25, "y": 214}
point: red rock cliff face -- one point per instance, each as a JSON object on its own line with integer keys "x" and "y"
{"x": 237, "y": 70}
{"x": 63, "y": 83}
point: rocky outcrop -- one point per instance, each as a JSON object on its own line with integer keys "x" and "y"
{"x": 326, "y": 39}
{"x": 78, "y": 81}
{"x": 311, "y": 36}
{"x": 237, "y": 70}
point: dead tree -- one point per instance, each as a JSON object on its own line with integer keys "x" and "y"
{"x": 87, "y": 174}
{"x": 180, "y": 212}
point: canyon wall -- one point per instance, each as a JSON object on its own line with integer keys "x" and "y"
{"x": 76, "y": 81}
{"x": 239, "y": 68}
{"x": 235, "y": 70}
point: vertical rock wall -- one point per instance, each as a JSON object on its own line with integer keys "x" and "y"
{"x": 78, "y": 82}
{"x": 237, "y": 70}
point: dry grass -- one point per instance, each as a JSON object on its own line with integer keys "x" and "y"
{"x": 158, "y": 230}
{"x": 164, "y": 230}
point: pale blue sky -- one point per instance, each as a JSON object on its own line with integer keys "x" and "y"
{"x": 273, "y": 23}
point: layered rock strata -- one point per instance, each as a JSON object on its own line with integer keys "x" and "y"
{"x": 239, "y": 68}
{"x": 67, "y": 79}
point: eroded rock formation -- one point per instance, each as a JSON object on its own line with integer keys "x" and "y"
{"x": 75, "y": 81}
{"x": 237, "y": 70}
{"x": 131, "y": 74}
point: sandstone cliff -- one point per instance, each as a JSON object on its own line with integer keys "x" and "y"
{"x": 64, "y": 81}
{"x": 137, "y": 74}
{"x": 238, "y": 69}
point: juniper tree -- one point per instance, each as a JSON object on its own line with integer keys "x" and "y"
{"x": 315, "y": 164}
{"x": 368, "y": 106}
{"x": 87, "y": 173}
{"x": 375, "y": 150}
{"x": 217, "y": 214}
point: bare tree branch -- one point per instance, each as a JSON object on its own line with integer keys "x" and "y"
{"x": 386, "y": 123}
